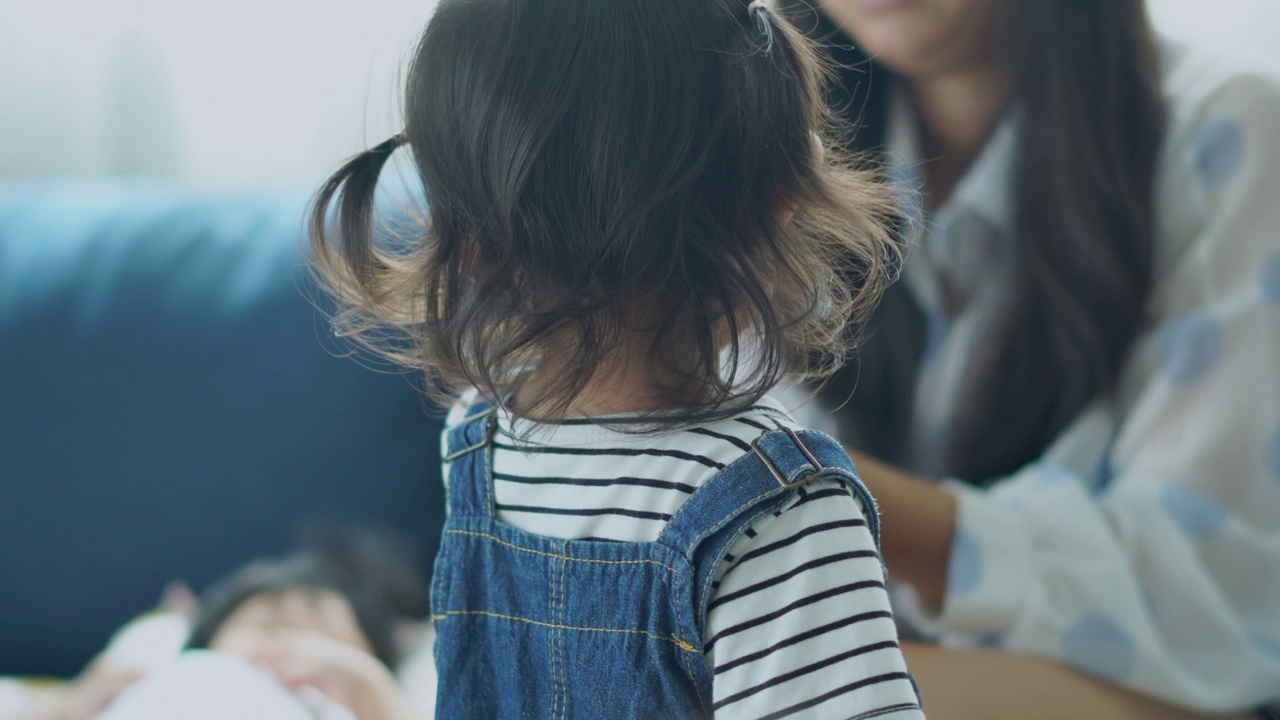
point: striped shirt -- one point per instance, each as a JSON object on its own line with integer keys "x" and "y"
{"x": 799, "y": 624}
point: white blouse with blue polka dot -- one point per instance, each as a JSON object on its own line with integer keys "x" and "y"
{"x": 1144, "y": 547}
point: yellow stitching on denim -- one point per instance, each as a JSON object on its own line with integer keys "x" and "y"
{"x": 486, "y": 453}
{"x": 729, "y": 518}
{"x": 551, "y": 657}
{"x": 564, "y": 674}
{"x": 441, "y": 576}
{"x": 720, "y": 526}
{"x": 500, "y": 541}
{"x": 711, "y": 569}
{"x": 683, "y": 645}
{"x": 741, "y": 460}
{"x": 688, "y": 667}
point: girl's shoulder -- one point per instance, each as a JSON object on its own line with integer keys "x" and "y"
{"x": 460, "y": 408}
{"x": 768, "y": 413}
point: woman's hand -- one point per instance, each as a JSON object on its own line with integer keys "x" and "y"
{"x": 345, "y": 674}
{"x": 918, "y": 520}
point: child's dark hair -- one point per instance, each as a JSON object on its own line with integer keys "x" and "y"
{"x": 375, "y": 576}
{"x": 607, "y": 182}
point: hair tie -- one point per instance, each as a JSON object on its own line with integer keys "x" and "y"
{"x": 390, "y": 144}
{"x": 758, "y": 10}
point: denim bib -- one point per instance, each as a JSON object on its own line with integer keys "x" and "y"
{"x": 530, "y": 626}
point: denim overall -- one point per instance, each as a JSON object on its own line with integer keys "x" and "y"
{"x": 530, "y": 626}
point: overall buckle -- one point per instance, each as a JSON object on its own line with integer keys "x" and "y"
{"x": 773, "y": 469}
{"x": 490, "y": 429}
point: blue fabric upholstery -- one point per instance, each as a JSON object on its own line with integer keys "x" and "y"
{"x": 171, "y": 404}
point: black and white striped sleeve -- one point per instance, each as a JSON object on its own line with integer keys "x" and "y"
{"x": 799, "y": 624}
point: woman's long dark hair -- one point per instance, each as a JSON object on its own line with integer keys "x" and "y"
{"x": 1085, "y": 75}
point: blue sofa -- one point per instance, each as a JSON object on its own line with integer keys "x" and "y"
{"x": 172, "y": 404}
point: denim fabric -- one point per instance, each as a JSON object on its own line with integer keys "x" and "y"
{"x": 531, "y": 626}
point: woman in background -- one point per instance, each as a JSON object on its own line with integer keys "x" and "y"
{"x": 1086, "y": 341}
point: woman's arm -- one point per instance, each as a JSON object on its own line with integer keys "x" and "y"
{"x": 979, "y": 684}
{"x": 919, "y": 519}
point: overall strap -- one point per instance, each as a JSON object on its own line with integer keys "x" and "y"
{"x": 781, "y": 464}
{"x": 469, "y": 452}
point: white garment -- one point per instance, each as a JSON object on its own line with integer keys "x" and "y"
{"x": 202, "y": 685}
{"x": 1145, "y": 546}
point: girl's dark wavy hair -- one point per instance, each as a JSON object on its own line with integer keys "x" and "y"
{"x": 604, "y": 183}
{"x": 1085, "y": 74}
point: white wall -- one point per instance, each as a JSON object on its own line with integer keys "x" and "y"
{"x": 253, "y": 93}
{"x": 224, "y": 93}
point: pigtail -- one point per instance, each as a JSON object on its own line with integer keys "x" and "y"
{"x": 844, "y": 209}
{"x": 350, "y": 264}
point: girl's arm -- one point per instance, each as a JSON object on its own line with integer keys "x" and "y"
{"x": 1158, "y": 570}
{"x": 800, "y": 624}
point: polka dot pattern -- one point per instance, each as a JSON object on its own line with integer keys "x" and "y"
{"x": 1191, "y": 347}
{"x": 1219, "y": 151}
{"x": 1051, "y": 474}
{"x": 1197, "y": 514}
{"x": 1098, "y": 645}
{"x": 965, "y": 568}
{"x": 989, "y": 640}
{"x": 1271, "y": 278}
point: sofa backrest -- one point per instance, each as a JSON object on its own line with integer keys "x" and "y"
{"x": 172, "y": 405}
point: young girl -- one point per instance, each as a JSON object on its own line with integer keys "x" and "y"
{"x": 634, "y": 235}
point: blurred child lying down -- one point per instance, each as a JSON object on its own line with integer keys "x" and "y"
{"x": 312, "y": 636}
